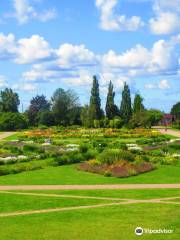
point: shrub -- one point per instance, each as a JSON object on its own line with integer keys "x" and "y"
{"x": 97, "y": 123}
{"x": 12, "y": 121}
{"x": 110, "y": 156}
{"x": 90, "y": 154}
{"x": 33, "y": 148}
{"x": 83, "y": 148}
{"x": 62, "y": 160}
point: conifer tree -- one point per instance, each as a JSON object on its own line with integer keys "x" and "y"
{"x": 111, "y": 108}
{"x": 95, "y": 102}
{"x": 138, "y": 104}
{"x": 125, "y": 108}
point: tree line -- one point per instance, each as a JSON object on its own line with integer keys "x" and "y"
{"x": 64, "y": 109}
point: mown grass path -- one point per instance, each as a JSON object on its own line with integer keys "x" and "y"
{"x": 6, "y": 134}
{"x": 118, "y": 201}
{"x": 88, "y": 187}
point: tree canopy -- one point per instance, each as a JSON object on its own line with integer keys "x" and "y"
{"x": 9, "y": 101}
{"x": 175, "y": 110}
{"x": 111, "y": 108}
{"x": 95, "y": 112}
{"x": 65, "y": 106}
{"x": 38, "y": 104}
{"x": 125, "y": 108}
{"x": 138, "y": 104}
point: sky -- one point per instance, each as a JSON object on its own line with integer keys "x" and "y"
{"x": 50, "y": 44}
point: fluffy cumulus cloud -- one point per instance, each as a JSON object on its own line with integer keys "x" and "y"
{"x": 160, "y": 59}
{"x": 75, "y": 64}
{"x": 163, "y": 85}
{"x": 24, "y": 12}
{"x": 135, "y": 57}
{"x": 7, "y": 45}
{"x": 32, "y": 49}
{"x": 69, "y": 55}
{"x": 25, "y": 50}
{"x": 110, "y": 21}
{"x": 167, "y": 17}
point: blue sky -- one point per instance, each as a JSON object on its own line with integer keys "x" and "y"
{"x": 49, "y": 44}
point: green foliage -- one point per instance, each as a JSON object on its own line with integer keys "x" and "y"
{"x": 46, "y": 118}
{"x": 138, "y": 104}
{"x": 117, "y": 122}
{"x": 95, "y": 112}
{"x": 64, "y": 107}
{"x": 38, "y": 104}
{"x": 110, "y": 156}
{"x": 32, "y": 148}
{"x": 175, "y": 110}
{"x": 140, "y": 119}
{"x": 10, "y": 121}
{"x": 111, "y": 108}
{"x": 69, "y": 158}
{"x": 85, "y": 116}
{"x": 97, "y": 123}
{"x": 83, "y": 148}
{"x": 9, "y": 101}
{"x": 154, "y": 116}
{"x": 125, "y": 108}
{"x": 90, "y": 154}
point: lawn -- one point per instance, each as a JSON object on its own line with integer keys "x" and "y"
{"x": 118, "y": 193}
{"x": 70, "y": 175}
{"x": 11, "y": 202}
{"x": 102, "y": 223}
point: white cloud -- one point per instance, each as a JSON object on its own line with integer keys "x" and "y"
{"x": 160, "y": 59}
{"x": 75, "y": 64}
{"x": 84, "y": 78}
{"x": 135, "y": 57}
{"x": 7, "y": 45}
{"x": 32, "y": 49}
{"x": 163, "y": 85}
{"x": 165, "y": 23}
{"x": 109, "y": 20}
{"x": 25, "y": 86}
{"x": 163, "y": 56}
{"x": 24, "y": 12}
{"x": 167, "y": 18}
{"x": 47, "y": 15}
{"x": 70, "y": 55}
{"x": 150, "y": 86}
{"x": 39, "y": 73}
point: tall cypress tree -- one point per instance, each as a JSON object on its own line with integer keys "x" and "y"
{"x": 138, "y": 104}
{"x": 125, "y": 108}
{"x": 111, "y": 108}
{"x": 95, "y": 102}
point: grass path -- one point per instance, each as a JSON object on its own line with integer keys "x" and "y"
{"x": 89, "y": 187}
{"x": 168, "y": 200}
{"x": 6, "y": 134}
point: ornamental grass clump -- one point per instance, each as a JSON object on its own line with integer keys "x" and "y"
{"x": 110, "y": 156}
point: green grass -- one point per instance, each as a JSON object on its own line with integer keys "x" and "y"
{"x": 15, "y": 136}
{"x": 107, "y": 223}
{"x": 13, "y": 202}
{"x": 70, "y": 175}
{"x": 118, "y": 193}
{"x": 103, "y": 223}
